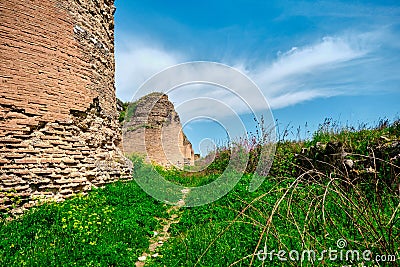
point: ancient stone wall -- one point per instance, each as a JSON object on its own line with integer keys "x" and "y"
{"x": 58, "y": 121}
{"x": 153, "y": 129}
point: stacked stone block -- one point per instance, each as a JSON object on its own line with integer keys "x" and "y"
{"x": 59, "y": 133}
{"x": 155, "y": 131}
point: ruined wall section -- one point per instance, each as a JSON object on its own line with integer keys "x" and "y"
{"x": 155, "y": 131}
{"x": 58, "y": 121}
{"x": 94, "y": 30}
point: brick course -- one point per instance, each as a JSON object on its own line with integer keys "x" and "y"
{"x": 58, "y": 118}
{"x": 155, "y": 131}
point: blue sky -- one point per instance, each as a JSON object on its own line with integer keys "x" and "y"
{"x": 311, "y": 59}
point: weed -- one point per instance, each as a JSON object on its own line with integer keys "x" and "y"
{"x": 311, "y": 198}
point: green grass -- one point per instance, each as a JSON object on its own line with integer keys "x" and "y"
{"x": 308, "y": 202}
{"x": 357, "y": 140}
{"x": 230, "y": 230}
{"x": 110, "y": 226}
{"x": 298, "y": 207}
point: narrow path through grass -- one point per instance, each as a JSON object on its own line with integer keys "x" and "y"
{"x": 159, "y": 238}
{"x": 308, "y": 202}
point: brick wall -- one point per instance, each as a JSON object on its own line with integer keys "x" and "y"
{"x": 155, "y": 131}
{"x": 58, "y": 121}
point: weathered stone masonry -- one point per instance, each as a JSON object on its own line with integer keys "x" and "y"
{"x": 155, "y": 131}
{"x": 58, "y": 121}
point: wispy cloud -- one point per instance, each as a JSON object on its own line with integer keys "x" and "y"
{"x": 327, "y": 67}
{"x": 295, "y": 75}
{"x": 323, "y": 54}
{"x": 138, "y": 60}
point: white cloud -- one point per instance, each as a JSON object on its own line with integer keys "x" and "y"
{"x": 292, "y": 77}
{"x": 288, "y": 99}
{"x": 309, "y": 59}
{"x": 303, "y": 73}
{"x": 137, "y": 62}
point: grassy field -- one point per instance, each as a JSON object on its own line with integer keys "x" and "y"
{"x": 311, "y": 202}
